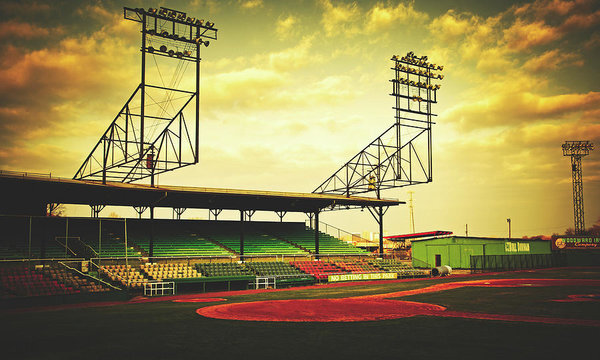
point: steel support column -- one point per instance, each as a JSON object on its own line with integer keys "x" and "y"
{"x": 317, "y": 234}
{"x": 151, "y": 243}
{"x": 377, "y": 213}
{"x": 242, "y": 235}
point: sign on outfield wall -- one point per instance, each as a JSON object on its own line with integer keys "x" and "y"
{"x": 357, "y": 277}
{"x": 584, "y": 242}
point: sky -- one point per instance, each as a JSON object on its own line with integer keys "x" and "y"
{"x": 291, "y": 90}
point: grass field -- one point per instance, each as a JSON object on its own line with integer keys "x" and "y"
{"x": 173, "y": 330}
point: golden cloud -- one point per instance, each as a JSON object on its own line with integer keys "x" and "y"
{"x": 380, "y": 17}
{"x": 14, "y": 29}
{"x": 251, "y": 4}
{"x": 525, "y": 35}
{"x": 292, "y": 58}
{"x": 581, "y": 21}
{"x": 451, "y": 26}
{"x": 285, "y": 26}
{"x": 512, "y": 108}
{"x": 339, "y": 19}
{"x": 552, "y": 60}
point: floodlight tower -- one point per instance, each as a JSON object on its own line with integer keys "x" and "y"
{"x": 150, "y": 134}
{"x": 407, "y": 158}
{"x": 402, "y": 154}
{"x": 576, "y": 150}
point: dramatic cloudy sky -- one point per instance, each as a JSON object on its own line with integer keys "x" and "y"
{"x": 293, "y": 89}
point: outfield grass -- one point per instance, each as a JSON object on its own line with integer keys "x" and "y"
{"x": 169, "y": 330}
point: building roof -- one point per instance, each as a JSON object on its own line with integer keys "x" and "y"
{"x": 482, "y": 238}
{"x": 44, "y": 189}
{"x": 417, "y": 235}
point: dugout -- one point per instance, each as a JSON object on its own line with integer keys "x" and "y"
{"x": 457, "y": 251}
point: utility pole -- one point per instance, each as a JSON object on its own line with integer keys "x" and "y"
{"x": 466, "y": 230}
{"x": 411, "y": 214}
{"x": 576, "y": 150}
{"x": 508, "y": 221}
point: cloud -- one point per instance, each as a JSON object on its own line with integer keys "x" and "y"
{"x": 543, "y": 8}
{"x": 525, "y": 35}
{"x": 251, "y": 4}
{"x": 581, "y": 21}
{"x": 552, "y": 60}
{"x": 293, "y": 58}
{"x": 285, "y": 26}
{"x": 451, "y": 26}
{"x": 513, "y": 108}
{"x": 261, "y": 89}
{"x": 249, "y": 88}
{"x": 349, "y": 19}
{"x": 42, "y": 158}
{"x": 23, "y": 8}
{"x": 380, "y": 17}
{"x": 592, "y": 42}
{"x": 340, "y": 19}
{"x": 60, "y": 91}
{"x": 14, "y": 29}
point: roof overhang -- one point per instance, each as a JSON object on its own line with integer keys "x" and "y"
{"x": 44, "y": 190}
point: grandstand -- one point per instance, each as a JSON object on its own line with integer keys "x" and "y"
{"x": 107, "y": 255}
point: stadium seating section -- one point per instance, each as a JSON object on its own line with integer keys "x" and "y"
{"x": 160, "y": 272}
{"x": 403, "y": 269}
{"x": 60, "y": 238}
{"x": 222, "y": 269}
{"x": 43, "y": 280}
{"x": 319, "y": 269}
{"x": 124, "y": 275}
{"x": 182, "y": 249}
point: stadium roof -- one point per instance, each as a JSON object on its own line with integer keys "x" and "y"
{"x": 28, "y": 188}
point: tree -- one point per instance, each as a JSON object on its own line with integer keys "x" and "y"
{"x": 54, "y": 209}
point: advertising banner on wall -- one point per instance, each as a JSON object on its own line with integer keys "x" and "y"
{"x": 572, "y": 242}
{"x": 356, "y": 277}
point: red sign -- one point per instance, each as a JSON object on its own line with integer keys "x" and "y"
{"x": 569, "y": 243}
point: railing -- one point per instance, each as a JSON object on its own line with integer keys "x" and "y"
{"x": 416, "y": 263}
{"x": 25, "y": 174}
{"x": 337, "y": 232}
{"x": 483, "y": 263}
{"x": 66, "y": 246}
{"x": 88, "y": 276}
{"x": 159, "y": 288}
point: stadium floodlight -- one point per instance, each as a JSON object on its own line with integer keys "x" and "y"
{"x": 401, "y": 164}
{"x": 576, "y": 150}
{"x": 140, "y": 128}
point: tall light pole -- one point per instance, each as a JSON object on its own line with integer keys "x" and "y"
{"x": 508, "y": 221}
{"x": 411, "y": 214}
{"x": 576, "y": 150}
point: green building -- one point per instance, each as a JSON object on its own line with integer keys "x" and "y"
{"x": 456, "y": 251}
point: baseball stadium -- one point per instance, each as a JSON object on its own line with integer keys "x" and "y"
{"x": 233, "y": 284}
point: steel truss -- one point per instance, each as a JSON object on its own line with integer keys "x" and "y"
{"x": 150, "y": 136}
{"x": 576, "y": 150}
{"x": 402, "y": 154}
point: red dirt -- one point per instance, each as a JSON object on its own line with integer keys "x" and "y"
{"x": 580, "y": 298}
{"x": 321, "y": 310}
{"x": 199, "y": 300}
{"x": 377, "y": 307}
